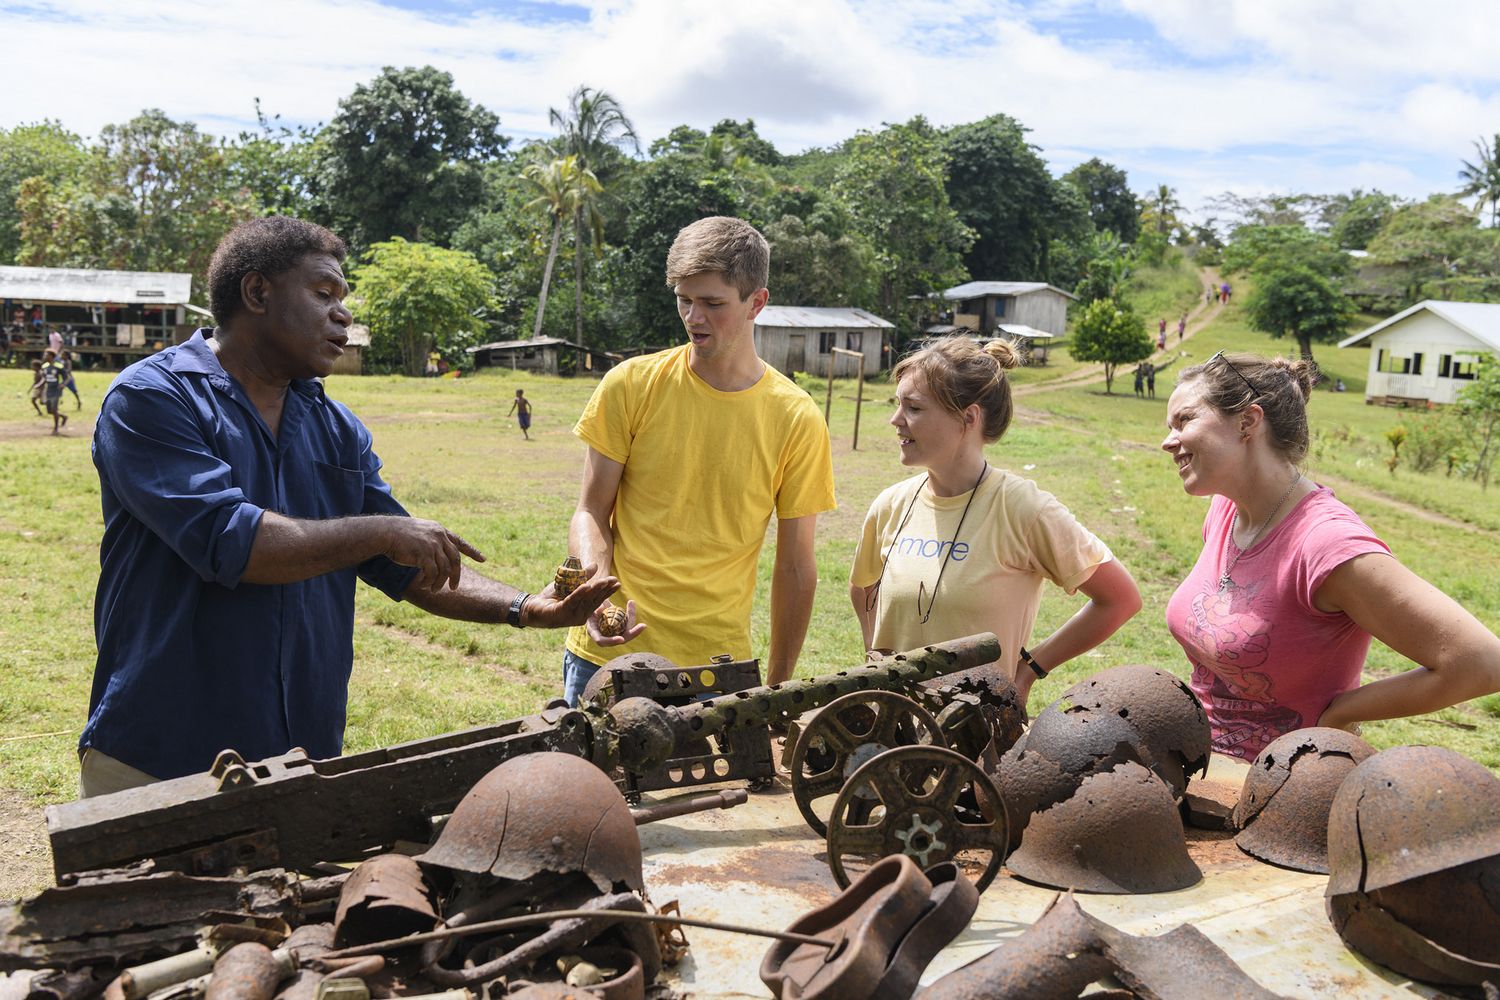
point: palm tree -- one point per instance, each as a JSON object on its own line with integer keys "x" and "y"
{"x": 592, "y": 123}
{"x": 564, "y": 189}
{"x": 1482, "y": 178}
{"x": 1165, "y": 205}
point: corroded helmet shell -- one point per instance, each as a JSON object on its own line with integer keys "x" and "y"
{"x": 567, "y": 578}
{"x": 1174, "y": 735}
{"x": 1407, "y": 812}
{"x": 1120, "y": 832}
{"x": 1282, "y": 813}
{"x": 543, "y": 812}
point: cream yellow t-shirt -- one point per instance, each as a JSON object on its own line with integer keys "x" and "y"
{"x": 1014, "y": 536}
{"x": 704, "y": 472}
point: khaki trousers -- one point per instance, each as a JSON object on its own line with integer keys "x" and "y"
{"x": 101, "y": 774}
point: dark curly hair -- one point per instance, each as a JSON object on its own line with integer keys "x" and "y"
{"x": 270, "y": 245}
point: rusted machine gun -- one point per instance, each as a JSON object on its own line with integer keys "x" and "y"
{"x": 294, "y": 812}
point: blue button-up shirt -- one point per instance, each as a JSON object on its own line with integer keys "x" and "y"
{"x": 191, "y": 660}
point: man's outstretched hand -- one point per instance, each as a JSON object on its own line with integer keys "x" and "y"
{"x": 632, "y": 627}
{"x": 436, "y": 552}
{"x": 578, "y": 608}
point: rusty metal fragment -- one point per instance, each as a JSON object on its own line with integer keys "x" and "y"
{"x": 1283, "y": 808}
{"x": 935, "y": 804}
{"x": 1374, "y": 932}
{"x": 1066, "y": 950}
{"x": 544, "y": 812}
{"x": 888, "y": 926}
{"x": 56, "y": 984}
{"x": 117, "y": 918}
{"x": 1120, "y": 832}
{"x": 386, "y": 897}
{"x": 249, "y": 971}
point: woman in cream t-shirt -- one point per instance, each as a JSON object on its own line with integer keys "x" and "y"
{"x": 965, "y": 547}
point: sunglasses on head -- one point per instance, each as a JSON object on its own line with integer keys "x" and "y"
{"x": 1230, "y": 365}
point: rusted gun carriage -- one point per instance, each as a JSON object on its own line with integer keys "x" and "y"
{"x": 294, "y": 812}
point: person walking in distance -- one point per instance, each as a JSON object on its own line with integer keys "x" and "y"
{"x": 521, "y": 407}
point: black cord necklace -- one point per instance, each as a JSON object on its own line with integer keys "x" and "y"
{"x": 922, "y": 617}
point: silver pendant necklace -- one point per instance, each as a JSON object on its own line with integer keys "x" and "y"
{"x": 1224, "y": 580}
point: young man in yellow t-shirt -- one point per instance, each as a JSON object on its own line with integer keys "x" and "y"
{"x": 690, "y": 452}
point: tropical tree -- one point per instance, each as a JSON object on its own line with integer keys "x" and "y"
{"x": 1482, "y": 177}
{"x": 44, "y": 149}
{"x": 1479, "y": 414}
{"x": 417, "y": 298}
{"x": 152, "y": 194}
{"x": 1106, "y": 189}
{"x": 892, "y": 183}
{"x": 592, "y": 127}
{"x": 1105, "y": 270}
{"x": 1161, "y": 210}
{"x": 1295, "y": 300}
{"x": 403, "y": 157}
{"x": 1000, "y": 187}
{"x": 565, "y": 190}
{"x": 1111, "y": 333}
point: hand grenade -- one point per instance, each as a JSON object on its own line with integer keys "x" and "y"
{"x": 569, "y": 575}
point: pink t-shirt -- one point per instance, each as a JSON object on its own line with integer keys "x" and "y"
{"x": 1265, "y": 660}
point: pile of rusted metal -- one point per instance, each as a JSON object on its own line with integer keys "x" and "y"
{"x": 506, "y": 861}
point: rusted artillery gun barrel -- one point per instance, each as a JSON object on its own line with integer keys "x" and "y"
{"x": 642, "y": 734}
{"x": 291, "y": 811}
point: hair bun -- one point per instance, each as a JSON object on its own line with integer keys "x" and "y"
{"x": 1007, "y": 353}
{"x": 1303, "y": 371}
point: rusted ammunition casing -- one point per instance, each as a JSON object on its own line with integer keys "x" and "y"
{"x": 726, "y": 799}
{"x": 249, "y": 971}
{"x": 146, "y": 979}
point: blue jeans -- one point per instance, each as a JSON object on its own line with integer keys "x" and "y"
{"x": 576, "y": 674}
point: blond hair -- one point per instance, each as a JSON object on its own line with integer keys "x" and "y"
{"x": 1279, "y": 386}
{"x": 720, "y": 243}
{"x": 960, "y": 373}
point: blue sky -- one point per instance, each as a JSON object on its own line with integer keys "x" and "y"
{"x": 1254, "y": 96}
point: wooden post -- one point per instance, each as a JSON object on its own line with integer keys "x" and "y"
{"x": 859, "y": 397}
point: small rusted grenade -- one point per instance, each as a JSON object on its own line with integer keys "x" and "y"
{"x": 612, "y": 621}
{"x": 569, "y": 575}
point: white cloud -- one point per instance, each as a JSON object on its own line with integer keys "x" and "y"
{"x": 1257, "y": 94}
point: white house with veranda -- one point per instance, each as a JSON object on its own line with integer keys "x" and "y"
{"x": 1427, "y": 353}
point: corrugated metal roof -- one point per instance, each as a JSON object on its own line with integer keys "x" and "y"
{"x": 69, "y": 284}
{"x": 1480, "y": 320}
{"x": 510, "y": 345}
{"x": 359, "y": 335}
{"x": 978, "y": 289}
{"x": 821, "y": 317}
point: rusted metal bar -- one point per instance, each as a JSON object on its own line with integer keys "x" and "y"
{"x": 726, "y": 799}
{"x": 292, "y": 811}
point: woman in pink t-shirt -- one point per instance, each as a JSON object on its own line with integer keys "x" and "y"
{"x": 1276, "y": 615}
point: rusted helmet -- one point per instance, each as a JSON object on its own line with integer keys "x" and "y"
{"x": 1282, "y": 813}
{"x": 1407, "y": 812}
{"x": 543, "y": 812}
{"x": 1174, "y": 734}
{"x": 1120, "y": 832}
{"x": 1082, "y": 741}
{"x": 1029, "y": 781}
{"x": 1442, "y": 928}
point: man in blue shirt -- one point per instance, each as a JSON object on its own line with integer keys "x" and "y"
{"x": 240, "y": 503}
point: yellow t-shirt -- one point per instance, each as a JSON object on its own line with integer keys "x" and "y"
{"x": 1014, "y": 536}
{"x": 704, "y": 471}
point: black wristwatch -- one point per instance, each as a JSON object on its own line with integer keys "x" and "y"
{"x": 1030, "y": 661}
{"x": 513, "y": 616}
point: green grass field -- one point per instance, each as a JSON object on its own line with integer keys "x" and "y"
{"x": 451, "y": 455}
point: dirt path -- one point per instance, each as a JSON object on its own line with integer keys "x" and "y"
{"x": 25, "y": 858}
{"x": 1199, "y": 316}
